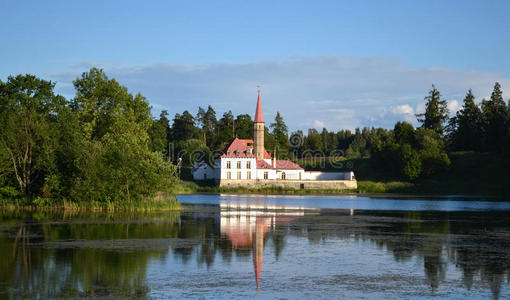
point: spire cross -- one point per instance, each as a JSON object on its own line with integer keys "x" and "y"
{"x": 258, "y": 88}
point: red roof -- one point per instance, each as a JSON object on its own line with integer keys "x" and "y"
{"x": 287, "y": 165}
{"x": 240, "y": 148}
{"x": 262, "y": 164}
{"x": 280, "y": 165}
{"x": 258, "y": 112}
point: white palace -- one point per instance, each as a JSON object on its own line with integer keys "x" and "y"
{"x": 245, "y": 162}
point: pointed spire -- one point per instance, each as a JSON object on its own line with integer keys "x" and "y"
{"x": 258, "y": 113}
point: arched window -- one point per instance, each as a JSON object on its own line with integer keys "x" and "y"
{"x": 284, "y": 176}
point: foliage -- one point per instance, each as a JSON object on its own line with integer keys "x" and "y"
{"x": 466, "y": 125}
{"x": 436, "y": 112}
{"x": 94, "y": 148}
{"x": 280, "y": 132}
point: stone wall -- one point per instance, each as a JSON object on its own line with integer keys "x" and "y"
{"x": 294, "y": 184}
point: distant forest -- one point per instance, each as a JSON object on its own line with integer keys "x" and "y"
{"x": 103, "y": 144}
{"x": 412, "y": 152}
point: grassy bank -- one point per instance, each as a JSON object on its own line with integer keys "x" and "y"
{"x": 469, "y": 173}
{"x": 162, "y": 201}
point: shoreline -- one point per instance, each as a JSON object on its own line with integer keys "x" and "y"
{"x": 391, "y": 188}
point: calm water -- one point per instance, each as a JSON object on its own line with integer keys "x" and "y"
{"x": 265, "y": 247}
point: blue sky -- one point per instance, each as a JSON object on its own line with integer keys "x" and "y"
{"x": 320, "y": 63}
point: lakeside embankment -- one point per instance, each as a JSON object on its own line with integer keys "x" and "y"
{"x": 469, "y": 174}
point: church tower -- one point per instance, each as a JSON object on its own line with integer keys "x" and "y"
{"x": 258, "y": 132}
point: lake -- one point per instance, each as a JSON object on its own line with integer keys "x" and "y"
{"x": 241, "y": 246}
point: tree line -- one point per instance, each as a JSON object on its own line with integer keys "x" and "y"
{"x": 93, "y": 147}
{"x": 409, "y": 152}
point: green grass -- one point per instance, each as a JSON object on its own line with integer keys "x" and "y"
{"x": 161, "y": 201}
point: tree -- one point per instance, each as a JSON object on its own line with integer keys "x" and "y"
{"x": 280, "y": 132}
{"x": 158, "y": 133}
{"x": 225, "y": 130}
{"x": 404, "y": 133}
{"x": 495, "y": 120}
{"x": 358, "y": 146}
{"x": 313, "y": 141}
{"x": 243, "y": 126}
{"x": 201, "y": 119}
{"x": 98, "y": 98}
{"x": 183, "y": 127}
{"x": 29, "y": 132}
{"x": 211, "y": 123}
{"x": 432, "y": 152}
{"x": 117, "y": 163}
{"x": 411, "y": 163}
{"x": 436, "y": 112}
{"x": 465, "y": 127}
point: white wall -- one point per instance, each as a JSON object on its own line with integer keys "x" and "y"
{"x": 234, "y": 170}
{"x": 290, "y": 174}
{"x": 328, "y": 175}
{"x": 201, "y": 169}
{"x": 271, "y": 173}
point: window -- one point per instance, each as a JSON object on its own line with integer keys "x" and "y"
{"x": 266, "y": 175}
{"x": 248, "y": 165}
{"x": 283, "y": 176}
{"x": 239, "y": 164}
{"x": 228, "y": 175}
{"x": 248, "y": 175}
{"x": 238, "y": 175}
{"x": 205, "y": 176}
{"x": 228, "y": 165}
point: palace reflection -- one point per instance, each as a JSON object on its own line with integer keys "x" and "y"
{"x": 246, "y": 224}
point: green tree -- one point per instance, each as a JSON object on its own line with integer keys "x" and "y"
{"x": 432, "y": 152}
{"x": 243, "y": 126}
{"x": 313, "y": 141}
{"x": 193, "y": 150}
{"x": 98, "y": 98}
{"x": 183, "y": 127}
{"x": 28, "y": 139}
{"x": 225, "y": 130}
{"x": 495, "y": 120}
{"x": 117, "y": 163}
{"x": 411, "y": 162}
{"x": 210, "y": 118}
{"x": 159, "y": 132}
{"x": 465, "y": 127}
{"x": 404, "y": 133}
{"x": 436, "y": 112}
{"x": 280, "y": 132}
{"x": 201, "y": 119}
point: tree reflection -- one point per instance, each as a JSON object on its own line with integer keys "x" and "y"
{"x": 475, "y": 243}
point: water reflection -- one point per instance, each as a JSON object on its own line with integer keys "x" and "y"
{"x": 221, "y": 249}
{"x": 245, "y": 224}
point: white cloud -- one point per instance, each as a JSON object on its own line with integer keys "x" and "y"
{"x": 405, "y": 109}
{"x": 453, "y": 106}
{"x": 318, "y": 124}
{"x": 340, "y": 91}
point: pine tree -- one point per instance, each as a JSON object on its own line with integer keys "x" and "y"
{"x": 465, "y": 129}
{"x": 280, "y": 131}
{"x": 436, "y": 112}
{"x": 495, "y": 120}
